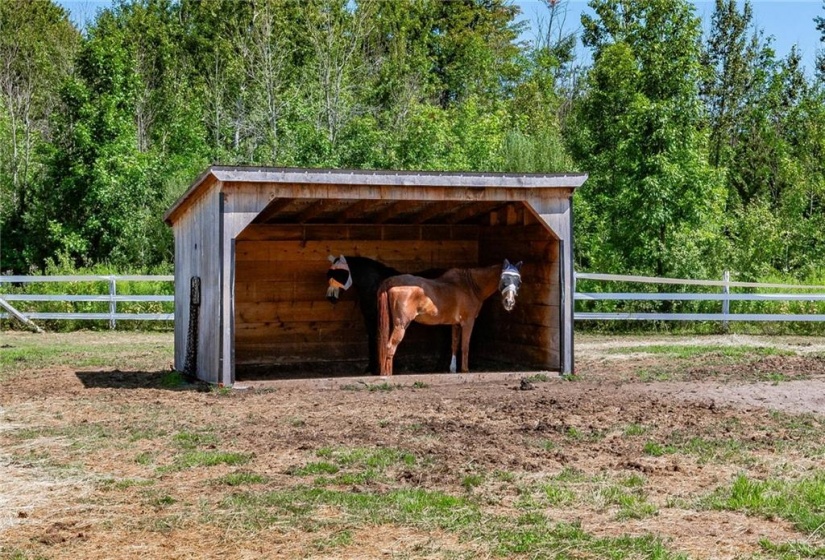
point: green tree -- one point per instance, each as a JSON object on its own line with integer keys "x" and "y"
{"x": 820, "y": 58}
{"x": 37, "y": 44}
{"x": 542, "y": 99}
{"x": 655, "y": 201}
{"x": 735, "y": 58}
{"x": 126, "y": 136}
{"x": 472, "y": 49}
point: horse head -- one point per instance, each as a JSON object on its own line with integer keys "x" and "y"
{"x": 339, "y": 277}
{"x": 509, "y": 283}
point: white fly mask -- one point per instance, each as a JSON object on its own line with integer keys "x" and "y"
{"x": 509, "y": 283}
{"x": 338, "y": 276}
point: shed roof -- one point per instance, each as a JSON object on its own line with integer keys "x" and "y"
{"x": 361, "y": 177}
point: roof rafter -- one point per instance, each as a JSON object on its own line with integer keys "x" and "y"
{"x": 390, "y": 211}
{"x": 272, "y": 210}
{"x": 432, "y": 211}
{"x": 468, "y": 211}
{"x": 356, "y": 209}
{"x": 313, "y": 210}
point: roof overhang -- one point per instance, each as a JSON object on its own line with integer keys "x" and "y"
{"x": 351, "y": 177}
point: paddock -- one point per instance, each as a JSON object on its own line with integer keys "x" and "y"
{"x": 251, "y": 247}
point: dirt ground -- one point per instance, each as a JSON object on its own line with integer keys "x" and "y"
{"x": 68, "y": 435}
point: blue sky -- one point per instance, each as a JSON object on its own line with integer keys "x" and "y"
{"x": 789, "y": 22}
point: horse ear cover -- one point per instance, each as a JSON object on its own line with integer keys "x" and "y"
{"x": 331, "y": 258}
{"x": 518, "y": 266}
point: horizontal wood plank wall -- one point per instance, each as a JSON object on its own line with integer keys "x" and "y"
{"x": 281, "y": 312}
{"x": 529, "y": 335}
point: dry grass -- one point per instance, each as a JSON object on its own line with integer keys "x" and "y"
{"x": 103, "y": 449}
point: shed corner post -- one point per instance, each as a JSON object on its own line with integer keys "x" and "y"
{"x": 556, "y": 213}
{"x": 237, "y": 211}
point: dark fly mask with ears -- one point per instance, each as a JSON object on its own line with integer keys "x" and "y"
{"x": 509, "y": 284}
{"x": 338, "y": 277}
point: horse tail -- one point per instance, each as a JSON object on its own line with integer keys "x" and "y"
{"x": 383, "y": 327}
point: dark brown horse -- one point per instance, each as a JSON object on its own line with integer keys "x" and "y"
{"x": 365, "y": 275}
{"x": 455, "y": 298}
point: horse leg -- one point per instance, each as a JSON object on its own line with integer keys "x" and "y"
{"x": 466, "y": 331}
{"x": 398, "y": 331}
{"x": 456, "y": 334}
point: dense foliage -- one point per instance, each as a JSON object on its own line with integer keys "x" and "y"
{"x": 705, "y": 153}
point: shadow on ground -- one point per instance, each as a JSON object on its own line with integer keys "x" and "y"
{"x": 336, "y": 370}
{"x": 116, "y": 379}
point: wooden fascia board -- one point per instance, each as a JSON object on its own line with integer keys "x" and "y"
{"x": 379, "y": 184}
{"x": 199, "y": 188}
{"x": 397, "y": 178}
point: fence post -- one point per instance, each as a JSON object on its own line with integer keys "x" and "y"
{"x": 726, "y": 301}
{"x": 112, "y": 302}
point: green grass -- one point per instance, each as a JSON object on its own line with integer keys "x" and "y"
{"x": 559, "y": 495}
{"x": 800, "y": 501}
{"x": 631, "y": 502}
{"x": 29, "y": 356}
{"x": 635, "y": 430}
{"x": 570, "y": 475}
{"x": 84, "y": 350}
{"x": 472, "y": 481}
{"x": 690, "y": 351}
{"x": 353, "y": 466}
{"x": 124, "y": 483}
{"x": 339, "y": 539}
{"x": 531, "y": 533}
{"x": 792, "y": 550}
{"x": 656, "y": 449}
{"x": 240, "y": 479}
{"x": 624, "y": 497}
{"x": 381, "y": 457}
{"x": 146, "y": 458}
{"x": 193, "y": 440}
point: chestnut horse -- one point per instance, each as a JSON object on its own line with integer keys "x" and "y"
{"x": 454, "y": 298}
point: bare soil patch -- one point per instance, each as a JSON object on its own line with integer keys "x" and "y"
{"x": 93, "y": 458}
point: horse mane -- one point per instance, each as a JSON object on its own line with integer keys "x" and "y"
{"x": 379, "y": 267}
{"x": 469, "y": 277}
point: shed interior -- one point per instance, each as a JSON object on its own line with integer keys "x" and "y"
{"x": 283, "y": 321}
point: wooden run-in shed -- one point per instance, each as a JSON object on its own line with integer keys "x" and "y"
{"x": 251, "y": 247}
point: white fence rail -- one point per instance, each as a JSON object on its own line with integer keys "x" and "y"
{"x": 112, "y": 298}
{"x": 725, "y": 297}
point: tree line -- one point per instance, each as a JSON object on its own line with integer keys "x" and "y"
{"x": 705, "y": 151}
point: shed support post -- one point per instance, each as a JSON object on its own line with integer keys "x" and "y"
{"x": 556, "y": 213}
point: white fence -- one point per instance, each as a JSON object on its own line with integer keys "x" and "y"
{"x": 725, "y": 297}
{"x": 112, "y": 298}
